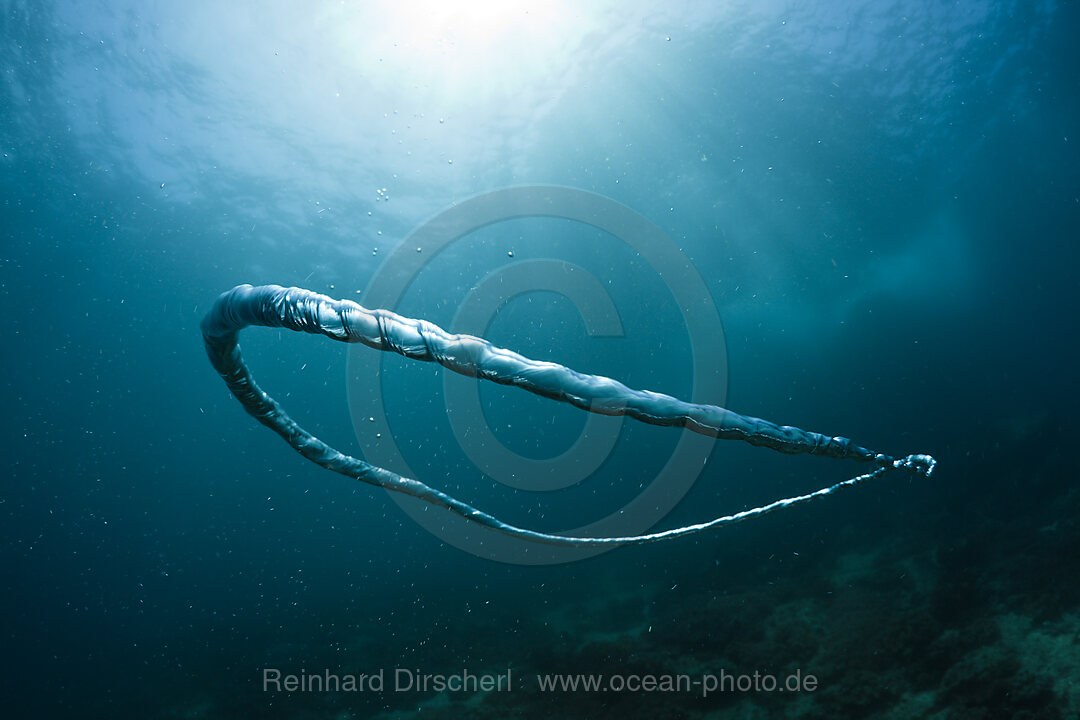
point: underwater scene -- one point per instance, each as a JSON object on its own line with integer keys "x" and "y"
{"x": 525, "y": 359}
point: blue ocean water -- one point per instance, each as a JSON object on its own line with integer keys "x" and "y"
{"x": 881, "y": 199}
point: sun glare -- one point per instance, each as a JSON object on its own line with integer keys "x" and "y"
{"x": 478, "y": 25}
{"x": 466, "y": 48}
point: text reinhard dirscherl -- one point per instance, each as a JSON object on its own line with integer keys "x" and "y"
{"x": 409, "y": 680}
{"x": 402, "y": 680}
